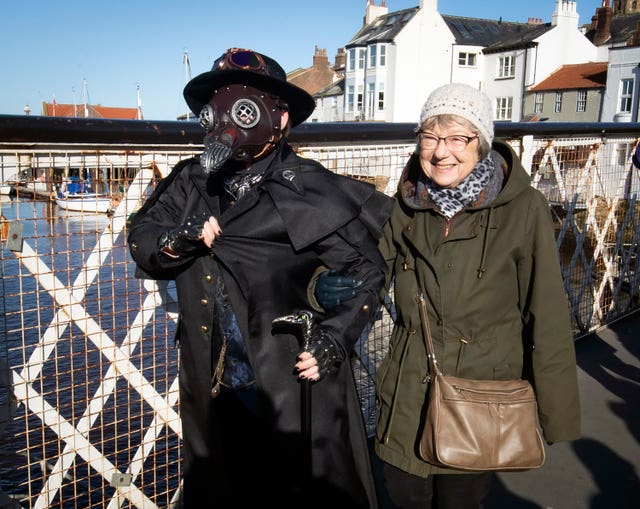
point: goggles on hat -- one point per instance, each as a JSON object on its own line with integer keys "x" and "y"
{"x": 244, "y": 59}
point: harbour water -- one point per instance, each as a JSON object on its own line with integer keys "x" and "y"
{"x": 62, "y": 381}
{"x": 73, "y": 270}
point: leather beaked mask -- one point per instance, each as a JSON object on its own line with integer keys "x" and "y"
{"x": 242, "y": 123}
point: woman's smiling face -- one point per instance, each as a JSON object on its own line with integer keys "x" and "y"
{"x": 448, "y": 149}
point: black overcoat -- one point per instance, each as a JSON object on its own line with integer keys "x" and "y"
{"x": 300, "y": 217}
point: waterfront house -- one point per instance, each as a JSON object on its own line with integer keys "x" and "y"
{"x": 396, "y": 58}
{"x": 573, "y": 93}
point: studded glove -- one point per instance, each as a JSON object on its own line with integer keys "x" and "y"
{"x": 327, "y": 352}
{"x": 184, "y": 240}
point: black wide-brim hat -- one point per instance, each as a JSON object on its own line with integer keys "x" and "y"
{"x": 247, "y": 67}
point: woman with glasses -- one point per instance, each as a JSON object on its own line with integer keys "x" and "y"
{"x": 469, "y": 232}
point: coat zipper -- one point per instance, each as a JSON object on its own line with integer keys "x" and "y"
{"x": 447, "y": 227}
{"x": 463, "y": 343}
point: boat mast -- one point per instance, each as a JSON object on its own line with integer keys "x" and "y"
{"x": 187, "y": 74}
{"x": 85, "y": 97}
{"x": 139, "y": 103}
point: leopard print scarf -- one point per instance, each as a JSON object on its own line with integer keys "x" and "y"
{"x": 450, "y": 201}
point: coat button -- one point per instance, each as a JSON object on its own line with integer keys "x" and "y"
{"x": 134, "y": 246}
{"x": 204, "y": 328}
{"x": 208, "y": 278}
{"x": 204, "y": 302}
{"x": 365, "y": 307}
{"x": 412, "y": 332}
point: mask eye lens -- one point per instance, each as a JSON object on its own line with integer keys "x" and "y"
{"x": 245, "y": 113}
{"x": 207, "y": 117}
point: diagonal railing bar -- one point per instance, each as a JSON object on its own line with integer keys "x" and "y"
{"x": 66, "y": 432}
{"x": 57, "y": 476}
{"x": 99, "y": 399}
{"x": 148, "y": 442}
{"x": 63, "y": 297}
{"x": 65, "y": 461}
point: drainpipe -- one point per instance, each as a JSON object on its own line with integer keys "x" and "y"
{"x": 451, "y": 63}
{"x": 524, "y": 83}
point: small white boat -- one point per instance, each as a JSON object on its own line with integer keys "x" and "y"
{"x": 76, "y": 195}
{"x": 7, "y": 184}
{"x": 84, "y": 202}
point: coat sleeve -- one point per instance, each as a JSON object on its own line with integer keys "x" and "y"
{"x": 547, "y": 325}
{"x": 164, "y": 209}
{"x": 347, "y": 320}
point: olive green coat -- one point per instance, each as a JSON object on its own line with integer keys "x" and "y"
{"x": 496, "y": 303}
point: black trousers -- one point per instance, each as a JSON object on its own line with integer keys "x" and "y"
{"x": 442, "y": 491}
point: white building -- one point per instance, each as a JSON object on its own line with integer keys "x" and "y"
{"x": 620, "y": 103}
{"x": 396, "y": 59}
{"x": 616, "y": 33}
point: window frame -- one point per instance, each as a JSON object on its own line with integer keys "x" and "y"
{"x": 506, "y": 66}
{"x": 351, "y": 59}
{"x": 350, "y": 98}
{"x": 359, "y": 99}
{"x": 467, "y": 59}
{"x": 557, "y": 102}
{"x": 625, "y": 102}
{"x": 371, "y": 94}
{"x": 538, "y": 102}
{"x": 581, "y": 101}
{"x": 504, "y": 108}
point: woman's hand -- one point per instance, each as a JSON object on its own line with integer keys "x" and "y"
{"x": 307, "y": 367}
{"x": 210, "y": 230}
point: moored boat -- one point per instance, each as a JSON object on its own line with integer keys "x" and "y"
{"x": 85, "y": 202}
{"x": 76, "y": 195}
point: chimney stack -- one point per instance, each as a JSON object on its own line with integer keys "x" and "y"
{"x": 320, "y": 58}
{"x": 341, "y": 60}
{"x": 603, "y": 23}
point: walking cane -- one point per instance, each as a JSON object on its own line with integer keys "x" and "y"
{"x": 302, "y": 321}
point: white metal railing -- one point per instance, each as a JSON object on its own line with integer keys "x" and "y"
{"x": 89, "y": 409}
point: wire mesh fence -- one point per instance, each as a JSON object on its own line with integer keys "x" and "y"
{"x": 89, "y": 407}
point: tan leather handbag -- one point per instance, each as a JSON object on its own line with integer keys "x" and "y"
{"x": 478, "y": 425}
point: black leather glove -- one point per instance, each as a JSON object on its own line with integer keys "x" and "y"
{"x": 185, "y": 239}
{"x": 326, "y": 350}
{"x": 332, "y": 289}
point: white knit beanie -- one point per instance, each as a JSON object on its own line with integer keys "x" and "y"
{"x": 462, "y": 100}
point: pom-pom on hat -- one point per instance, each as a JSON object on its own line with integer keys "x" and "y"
{"x": 462, "y": 100}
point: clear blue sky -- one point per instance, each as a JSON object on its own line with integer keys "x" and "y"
{"x": 48, "y": 47}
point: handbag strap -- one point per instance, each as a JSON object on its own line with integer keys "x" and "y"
{"x": 426, "y": 335}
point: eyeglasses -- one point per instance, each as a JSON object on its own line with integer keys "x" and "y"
{"x": 245, "y": 59}
{"x": 455, "y": 143}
